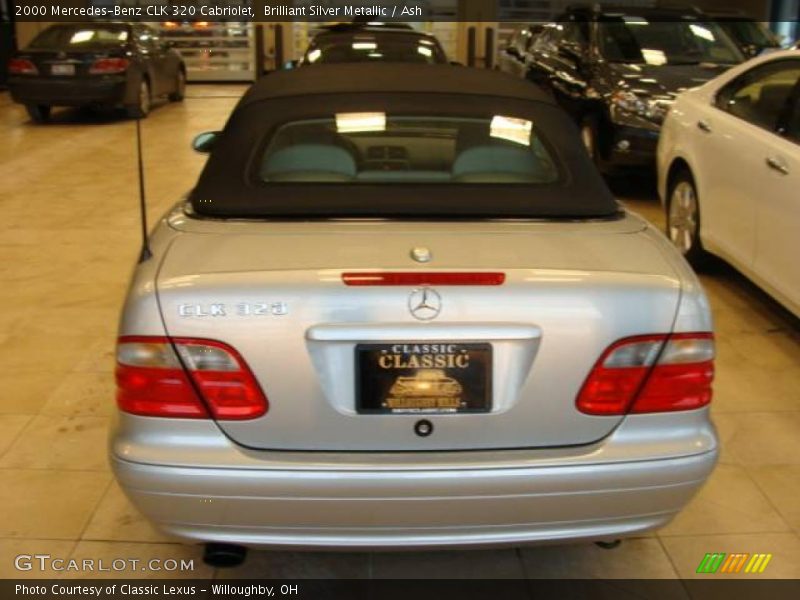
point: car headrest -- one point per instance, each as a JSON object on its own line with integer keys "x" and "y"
{"x": 772, "y": 97}
{"x": 309, "y": 158}
{"x": 499, "y": 161}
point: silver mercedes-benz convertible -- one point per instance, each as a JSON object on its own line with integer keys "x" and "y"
{"x": 401, "y": 309}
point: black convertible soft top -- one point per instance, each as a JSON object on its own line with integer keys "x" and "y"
{"x": 229, "y": 188}
{"x": 363, "y": 78}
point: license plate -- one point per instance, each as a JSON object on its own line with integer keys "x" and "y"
{"x": 423, "y": 377}
{"x": 62, "y": 69}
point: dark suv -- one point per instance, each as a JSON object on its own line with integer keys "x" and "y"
{"x": 617, "y": 71}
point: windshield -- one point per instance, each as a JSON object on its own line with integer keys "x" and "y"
{"x": 72, "y": 37}
{"x": 750, "y": 33}
{"x": 351, "y": 148}
{"x": 407, "y": 50}
{"x": 639, "y": 41}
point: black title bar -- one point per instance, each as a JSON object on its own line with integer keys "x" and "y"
{"x": 394, "y": 589}
{"x": 235, "y": 10}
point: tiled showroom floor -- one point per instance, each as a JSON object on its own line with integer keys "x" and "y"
{"x": 68, "y": 240}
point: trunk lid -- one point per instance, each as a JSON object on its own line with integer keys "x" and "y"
{"x": 67, "y": 64}
{"x": 274, "y": 292}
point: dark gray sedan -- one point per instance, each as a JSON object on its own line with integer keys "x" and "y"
{"x": 111, "y": 64}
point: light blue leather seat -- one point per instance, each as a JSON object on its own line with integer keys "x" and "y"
{"x": 500, "y": 164}
{"x": 309, "y": 162}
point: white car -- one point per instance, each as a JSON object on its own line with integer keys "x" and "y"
{"x": 729, "y": 172}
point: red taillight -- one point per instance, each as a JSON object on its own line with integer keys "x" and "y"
{"x": 653, "y": 373}
{"x": 22, "y": 66}
{"x": 152, "y": 380}
{"x": 423, "y": 278}
{"x": 109, "y": 66}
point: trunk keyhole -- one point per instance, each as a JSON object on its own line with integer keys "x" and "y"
{"x": 423, "y": 428}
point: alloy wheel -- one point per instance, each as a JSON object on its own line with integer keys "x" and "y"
{"x": 683, "y": 216}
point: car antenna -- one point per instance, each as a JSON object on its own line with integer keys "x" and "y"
{"x": 145, "y": 253}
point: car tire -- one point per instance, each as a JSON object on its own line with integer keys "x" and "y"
{"x": 141, "y": 109}
{"x": 39, "y": 113}
{"x": 683, "y": 219}
{"x": 180, "y": 87}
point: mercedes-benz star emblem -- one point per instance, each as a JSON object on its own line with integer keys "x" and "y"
{"x": 425, "y": 304}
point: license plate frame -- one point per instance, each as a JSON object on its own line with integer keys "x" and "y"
{"x": 444, "y": 378}
{"x": 62, "y": 69}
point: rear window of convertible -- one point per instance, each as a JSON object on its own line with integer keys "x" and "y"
{"x": 376, "y": 147}
{"x": 78, "y": 37}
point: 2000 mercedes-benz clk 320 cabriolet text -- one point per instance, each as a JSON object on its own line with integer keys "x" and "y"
{"x": 400, "y": 308}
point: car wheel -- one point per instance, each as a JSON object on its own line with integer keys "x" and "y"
{"x": 180, "y": 87}
{"x": 38, "y": 113}
{"x": 683, "y": 219}
{"x": 142, "y": 107}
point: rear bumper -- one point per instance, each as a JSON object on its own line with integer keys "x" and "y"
{"x": 320, "y": 500}
{"x": 376, "y": 509}
{"x": 112, "y": 90}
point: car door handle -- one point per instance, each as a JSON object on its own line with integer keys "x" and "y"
{"x": 778, "y": 165}
{"x": 703, "y": 125}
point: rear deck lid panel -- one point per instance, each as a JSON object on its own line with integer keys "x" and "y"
{"x": 275, "y": 293}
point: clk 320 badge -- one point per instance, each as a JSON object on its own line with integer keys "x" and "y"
{"x": 242, "y": 309}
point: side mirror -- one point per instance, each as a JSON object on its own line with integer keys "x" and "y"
{"x": 512, "y": 51}
{"x": 205, "y": 141}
